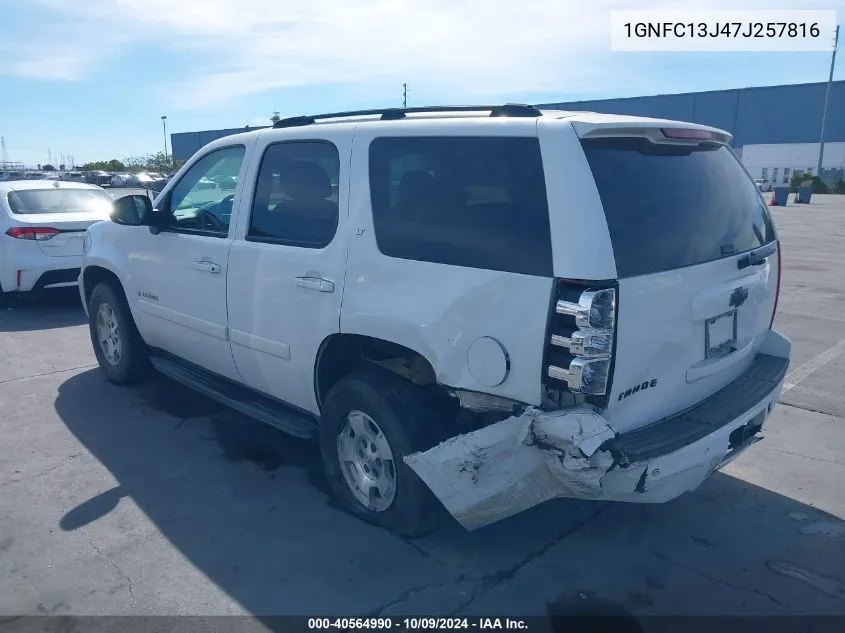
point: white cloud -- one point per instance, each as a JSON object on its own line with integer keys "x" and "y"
{"x": 241, "y": 47}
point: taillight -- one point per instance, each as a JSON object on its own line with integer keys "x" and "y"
{"x": 39, "y": 233}
{"x": 777, "y": 292}
{"x": 586, "y": 329}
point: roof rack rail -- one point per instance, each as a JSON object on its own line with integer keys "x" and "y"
{"x": 395, "y": 114}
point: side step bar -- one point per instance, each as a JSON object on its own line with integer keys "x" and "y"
{"x": 237, "y": 397}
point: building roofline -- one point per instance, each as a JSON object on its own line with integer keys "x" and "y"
{"x": 696, "y": 92}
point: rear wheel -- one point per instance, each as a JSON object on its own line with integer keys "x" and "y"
{"x": 370, "y": 422}
{"x": 118, "y": 346}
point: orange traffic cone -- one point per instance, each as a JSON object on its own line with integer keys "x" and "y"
{"x": 772, "y": 202}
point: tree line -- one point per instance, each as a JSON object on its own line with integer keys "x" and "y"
{"x": 157, "y": 163}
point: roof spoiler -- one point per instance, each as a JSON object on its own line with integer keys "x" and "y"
{"x": 657, "y": 132}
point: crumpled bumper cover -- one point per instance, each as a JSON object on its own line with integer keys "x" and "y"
{"x": 502, "y": 469}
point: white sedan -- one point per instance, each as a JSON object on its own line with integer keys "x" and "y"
{"x": 42, "y": 228}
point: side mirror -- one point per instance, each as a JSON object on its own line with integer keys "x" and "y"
{"x": 134, "y": 210}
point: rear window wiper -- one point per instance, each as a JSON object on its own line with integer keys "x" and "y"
{"x": 756, "y": 257}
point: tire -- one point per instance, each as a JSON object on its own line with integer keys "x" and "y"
{"x": 410, "y": 422}
{"x": 131, "y": 362}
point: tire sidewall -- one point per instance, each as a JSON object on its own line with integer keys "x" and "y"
{"x": 412, "y": 495}
{"x": 123, "y": 371}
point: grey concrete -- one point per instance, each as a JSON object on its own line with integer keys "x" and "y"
{"x": 154, "y": 500}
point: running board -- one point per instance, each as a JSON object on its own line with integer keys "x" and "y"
{"x": 237, "y": 397}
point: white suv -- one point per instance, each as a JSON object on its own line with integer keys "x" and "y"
{"x": 496, "y": 305}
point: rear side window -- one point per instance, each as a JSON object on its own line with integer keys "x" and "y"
{"x": 296, "y": 195}
{"x": 669, "y": 207}
{"x": 477, "y": 202}
{"x": 56, "y": 200}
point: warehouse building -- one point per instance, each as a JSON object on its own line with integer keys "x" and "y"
{"x": 776, "y": 129}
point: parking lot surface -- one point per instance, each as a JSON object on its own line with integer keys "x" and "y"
{"x": 154, "y": 500}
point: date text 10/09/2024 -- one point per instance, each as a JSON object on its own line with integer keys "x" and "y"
{"x": 417, "y": 624}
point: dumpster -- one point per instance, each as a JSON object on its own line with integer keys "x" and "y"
{"x": 780, "y": 197}
{"x": 804, "y": 194}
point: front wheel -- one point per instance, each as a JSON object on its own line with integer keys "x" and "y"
{"x": 370, "y": 422}
{"x": 120, "y": 351}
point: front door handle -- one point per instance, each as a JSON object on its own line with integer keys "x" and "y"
{"x": 315, "y": 283}
{"x": 208, "y": 267}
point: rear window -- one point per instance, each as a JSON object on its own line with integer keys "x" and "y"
{"x": 55, "y": 200}
{"x": 478, "y": 202}
{"x": 669, "y": 207}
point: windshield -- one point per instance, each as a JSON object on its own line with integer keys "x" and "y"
{"x": 669, "y": 207}
{"x": 53, "y": 200}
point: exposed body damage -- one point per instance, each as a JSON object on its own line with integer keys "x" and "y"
{"x": 500, "y": 470}
{"x": 507, "y": 467}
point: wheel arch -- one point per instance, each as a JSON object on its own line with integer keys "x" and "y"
{"x": 343, "y": 353}
{"x": 96, "y": 273}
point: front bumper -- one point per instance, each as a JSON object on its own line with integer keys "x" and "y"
{"x": 505, "y": 468}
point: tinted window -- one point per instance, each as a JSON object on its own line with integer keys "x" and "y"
{"x": 57, "y": 200}
{"x": 478, "y": 202}
{"x": 296, "y": 195}
{"x": 197, "y": 202}
{"x": 670, "y": 207}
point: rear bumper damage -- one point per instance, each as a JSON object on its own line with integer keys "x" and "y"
{"x": 505, "y": 468}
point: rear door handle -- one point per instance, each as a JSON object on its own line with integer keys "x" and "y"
{"x": 315, "y": 283}
{"x": 207, "y": 267}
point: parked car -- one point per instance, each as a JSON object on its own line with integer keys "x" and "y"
{"x": 763, "y": 184}
{"x": 226, "y": 182}
{"x": 72, "y": 176}
{"x": 143, "y": 180}
{"x": 99, "y": 178}
{"x": 123, "y": 180}
{"x": 521, "y": 316}
{"x": 42, "y": 227}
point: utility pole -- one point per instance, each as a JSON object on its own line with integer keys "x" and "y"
{"x": 50, "y": 155}
{"x": 4, "y": 155}
{"x": 826, "y": 96}
{"x": 164, "y": 129}
{"x": 404, "y": 95}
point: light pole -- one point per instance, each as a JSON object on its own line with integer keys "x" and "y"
{"x": 164, "y": 129}
{"x": 826, "y": 96}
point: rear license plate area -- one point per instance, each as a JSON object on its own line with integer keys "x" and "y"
{"x": 720, "y": 335}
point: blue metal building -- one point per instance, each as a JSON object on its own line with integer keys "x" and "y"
{"x": 755, "y": 116}
{"x": 183, "y": 145}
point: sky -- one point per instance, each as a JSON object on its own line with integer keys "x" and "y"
{"x": 92, "y": 78}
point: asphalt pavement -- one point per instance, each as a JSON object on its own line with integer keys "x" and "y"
{"x": 153, "y": 500}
